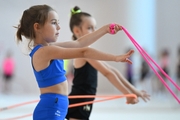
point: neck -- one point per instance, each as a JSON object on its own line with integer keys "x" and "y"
{"x": 37, "y": 43}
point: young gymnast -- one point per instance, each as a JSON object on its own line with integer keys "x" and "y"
{"x": 40, "y": 25}
{"x": 8, "y": 69}
{"x": 85, "y": 71}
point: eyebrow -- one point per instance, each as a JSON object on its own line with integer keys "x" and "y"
{"x": 54, "y": 19}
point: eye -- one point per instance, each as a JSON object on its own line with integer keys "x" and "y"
{"x": 54, "y": 23}
{"x": 90, "y": 28}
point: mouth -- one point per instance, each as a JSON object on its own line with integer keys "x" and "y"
{"x": 57, "y": 34}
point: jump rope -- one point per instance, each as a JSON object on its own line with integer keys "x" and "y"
{"x": 146, "y": 58}
{"x": 103, "y": 98}
{"x": 108, "y": 97}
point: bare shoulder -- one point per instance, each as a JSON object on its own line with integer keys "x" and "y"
{"x": 43, "y": 52}
{"x": 40, "y": 59}
{"x": 79, "y": 62}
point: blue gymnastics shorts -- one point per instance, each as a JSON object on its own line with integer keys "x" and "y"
{"x": 51, "y": 107}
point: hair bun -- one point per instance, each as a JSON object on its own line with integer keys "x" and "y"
{"x": 75, "y": 10}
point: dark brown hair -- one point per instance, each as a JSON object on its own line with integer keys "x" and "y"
{"x": 76, "y": 18}
{"x": 35, "y": 14}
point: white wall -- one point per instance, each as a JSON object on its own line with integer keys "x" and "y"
{"x": 123, "y": 12}
{"x": 168, "y": 29}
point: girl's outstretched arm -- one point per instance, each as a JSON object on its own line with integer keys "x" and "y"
{"x": 45, "y": 54}
{"x": 141, "y": 94}
{"x": 89, "y": 38}
{"x": 54, "y": 52}
{"x": 112, "y": 77}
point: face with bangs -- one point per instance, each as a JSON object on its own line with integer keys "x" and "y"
{"x": 50, "y": 30}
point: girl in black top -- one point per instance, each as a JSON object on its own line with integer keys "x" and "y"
{"x": 85, "y": 74}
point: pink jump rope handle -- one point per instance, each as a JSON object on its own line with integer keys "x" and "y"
{"x": 112, "y": 28}
{"x": 142, "y": 52}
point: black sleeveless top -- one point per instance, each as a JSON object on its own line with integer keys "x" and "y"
{"x": 85, "y": 80}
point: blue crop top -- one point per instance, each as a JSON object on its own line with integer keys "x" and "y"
{"x": 51, "y": 75}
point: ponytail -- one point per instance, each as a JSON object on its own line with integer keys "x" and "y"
{"x": 19, "y": 33}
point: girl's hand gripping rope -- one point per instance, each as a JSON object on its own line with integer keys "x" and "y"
{"x": 114, "y": 28}
{"x": 132, "y": 100}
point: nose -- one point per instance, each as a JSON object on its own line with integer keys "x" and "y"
{"x": 92, "y": 30}
{"x": 58, "y": 27}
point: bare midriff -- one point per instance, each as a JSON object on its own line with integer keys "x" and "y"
{"x": 61, "y": 88}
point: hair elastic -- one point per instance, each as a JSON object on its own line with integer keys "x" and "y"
{"x": 75, "y": 12}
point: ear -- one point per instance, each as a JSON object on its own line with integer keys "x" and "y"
{"x": 76, "y": 30}
{"x": 36, "y": 27}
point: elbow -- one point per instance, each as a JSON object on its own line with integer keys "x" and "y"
{"x": 107, "y": 74}
{"x": 85, "y": 53}
{"x": 77, "y": 44}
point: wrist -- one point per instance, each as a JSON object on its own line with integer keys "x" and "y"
{"x": 106, "y": 29}
{"x": 126, "y": 92}
{"x": 115, "y": 58}
{"x": 136, "y": 92}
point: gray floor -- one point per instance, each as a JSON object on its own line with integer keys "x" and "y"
{"x": 159, "y": 108}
